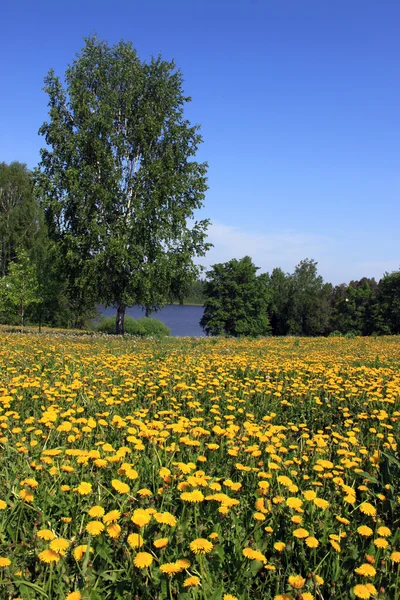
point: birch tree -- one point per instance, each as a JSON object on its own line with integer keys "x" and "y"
{"x": 118, "y": 179}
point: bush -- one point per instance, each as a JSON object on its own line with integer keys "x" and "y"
{"x": 153, "y": 326}
{"x": 141, "y": 327}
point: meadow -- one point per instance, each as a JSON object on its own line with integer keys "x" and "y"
{"x": 210, "y": 469}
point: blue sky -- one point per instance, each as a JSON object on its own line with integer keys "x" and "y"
{"x": 298, "y": 103}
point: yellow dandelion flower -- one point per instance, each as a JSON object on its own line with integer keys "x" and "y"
{"x": 120, "y": 486}
{"x": 80, "y": 551}
{"x": 192, "y": 581}
{"x": 395, "y": 557}
{"x": 3, "y": 505}
{"x": 161, "y": 543}
{"x": 296, "y": 581}
{"x": 73, "y": 596}
{"x": 367, "y": 509}
{"x": 142, "y": 560}
{"x": 365, "y": 531}
{"x": 366, "y": 570}
{"x": 4, "y": 562}
{"x": 170, "y": 568}
{"x": 361, "y": 591}
{"x": 49, "y": 556}
{"x": 45, "y": 534}
{"x": 94, "y": 527}
{"x": 96, "y": 511}
{"x": 312, "y": 542}
{"x": 59, "y": 545}
{"x": 381, "y": 543}
{"x": 194, "y": 497}
{"x": 84, "y": 488}
{"x": 135, "y": 540}
{"x": 114, "y": 531}
{"x": 384, "y": 531}
{"x": 140, "y": 517}
{"x": 301, "y": 533}
{"x": 112, "y": 516}
{"x": 279, "y": 546}
{"x": 201, "y": 546}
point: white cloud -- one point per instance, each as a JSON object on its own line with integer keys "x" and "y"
{"x": 337, "y": 261}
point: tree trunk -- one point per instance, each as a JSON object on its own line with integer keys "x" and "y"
{"x": 119, "y": 323}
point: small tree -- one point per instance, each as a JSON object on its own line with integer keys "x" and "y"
{"x": 19, "y": 289}
{"x": 236, "y": 300}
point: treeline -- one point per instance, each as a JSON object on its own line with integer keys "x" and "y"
{"x": 240, "y": 302}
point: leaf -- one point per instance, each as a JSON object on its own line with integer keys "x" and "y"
{"x": 33, "y": 586}
{"x": 217, "y": 594}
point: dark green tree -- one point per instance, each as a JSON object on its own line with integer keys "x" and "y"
{"x": 280, "y": 286}
{"x": 387, "y": 310}
{"x": 310, "y": 308}
{"x": 352, "y": 307}
{"x": 21, "y": 220}
{"x": 236, "y": 300}
{"x": 118, "y": 179}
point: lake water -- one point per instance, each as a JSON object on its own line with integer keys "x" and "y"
{"x": 182, "y": 320}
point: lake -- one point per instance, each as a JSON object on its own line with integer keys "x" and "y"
{"x": 182, "y": 320}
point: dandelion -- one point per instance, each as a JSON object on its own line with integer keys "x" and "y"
{"x": 142, "y": 560}
{"x": 381, "y": 543}
{"x": 45, "y": 534}
{"x": 366, "y": 570}
{"x": 84, "y": 488}
{"x": 279, "y": 546}
{"x": 96, "y": 511}
{"x": 296, "y": 582}
{"x": 192, "y": 581}
{"x": 384, "y": 531}
{"x": 201, "y": 546}
{"x": 120, "y": 486}
{"x": 362, "y": 591}
{"x": 3, "y": 505}
{"x": 73, "y": 596}
{"x": 49, "y": 556}
{"x": 80, "y": 551}
{"x": 4, "y": 562}
{"x": 170, "y": 568}
{"x": 161, "y": 543}
{"x": 140, "y": 517}
{"x": 367, "y": 509}
{"x": 112, "y": 516}
{"x": 301, "y": 533}
{"x": 395, "y": 557}
{"x": 312, "y": 542}
{"x": 193, "y": 497}
{"x": 135, "y": 540}
{"x": 59, "y": 545}
{"x": 94, "y": 527}
{"x": 114, "y": 531}
{"x": 365, "y": 531}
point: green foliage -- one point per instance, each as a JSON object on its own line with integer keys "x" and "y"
{"x": 387, "y": 314}
{"x": 236, "y": 300}
{"x": 153, "y": 327}
{"x": 141, "y": 327}
{"x": 21, "y": 220}
{"x": 19, "y": 289}
{"x": 118, "y": 179}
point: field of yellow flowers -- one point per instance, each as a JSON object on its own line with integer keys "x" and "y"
{"x": 199, "y": 469}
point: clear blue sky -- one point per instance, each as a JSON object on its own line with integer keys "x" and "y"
{"x": 299, "y": 107}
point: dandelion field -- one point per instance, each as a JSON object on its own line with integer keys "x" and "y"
{"x": 199, "y": 469}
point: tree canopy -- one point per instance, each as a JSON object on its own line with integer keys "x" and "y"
{"x": 118, "y": 179}
{"x": 236, "y": 300}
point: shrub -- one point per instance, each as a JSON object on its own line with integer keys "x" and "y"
{"x": 153, "y": 326}
{"x": 141, "y": 327}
